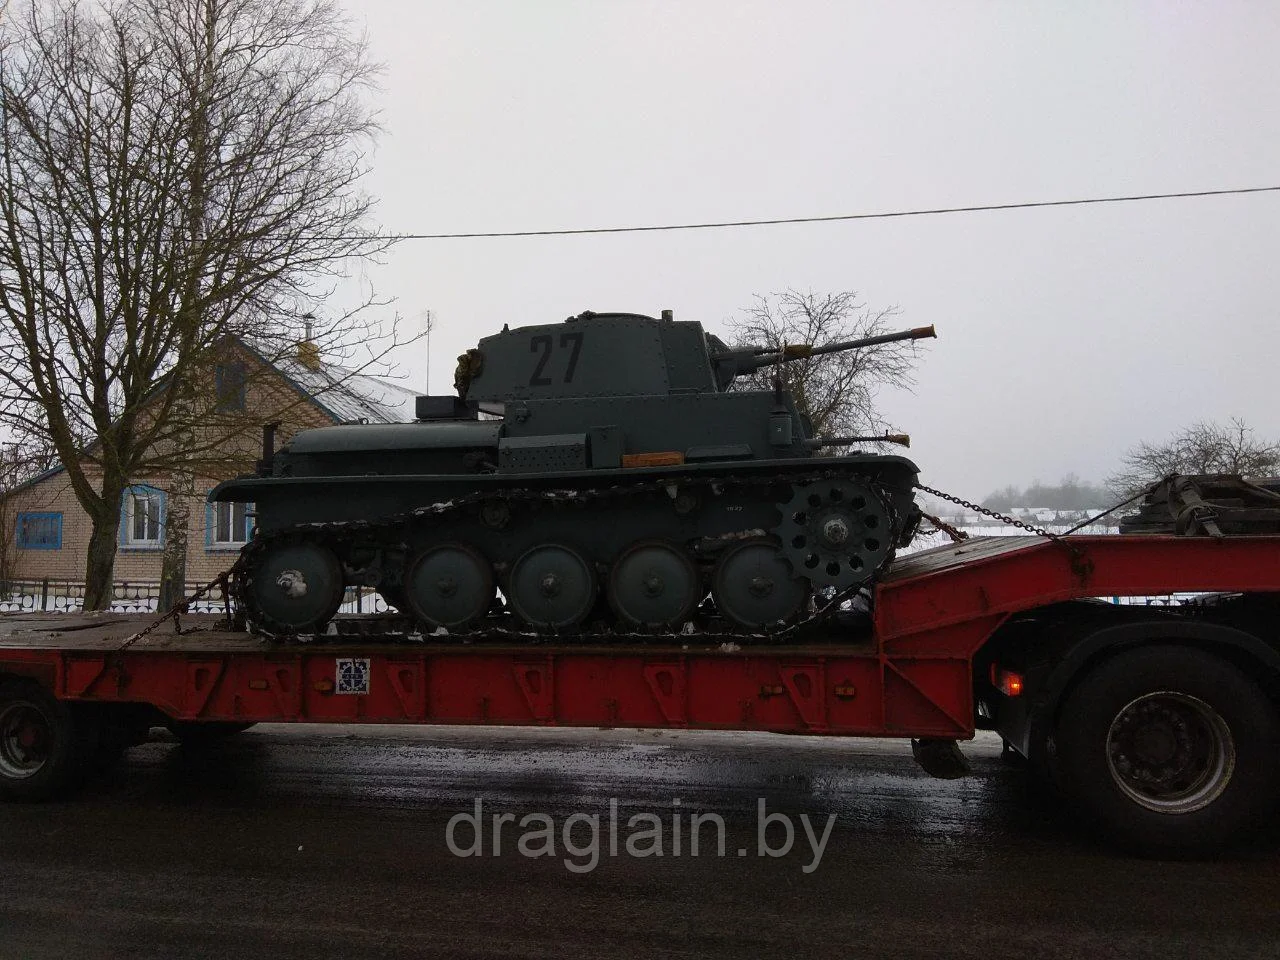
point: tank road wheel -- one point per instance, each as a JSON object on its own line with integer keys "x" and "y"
{"x": 654, "y": 584}
{"x": 755, "y": 588}
{"x": 450, "y": 586}
{"x": 836, "y": 532}
{"x": 295, "y": 587}
{"x": 552, "y": 585}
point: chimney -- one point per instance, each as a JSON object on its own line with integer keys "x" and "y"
{"x": 308, "y": 352}
{"x": 309, "y": 355}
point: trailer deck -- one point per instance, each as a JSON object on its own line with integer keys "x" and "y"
{"x": 911, "y": 677}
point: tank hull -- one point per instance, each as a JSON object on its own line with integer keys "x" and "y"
{"x": 283, "y": 502}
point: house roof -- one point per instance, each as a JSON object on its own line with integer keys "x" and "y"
{"x": 348, "y": 396}
{"x": 345, "y": 395}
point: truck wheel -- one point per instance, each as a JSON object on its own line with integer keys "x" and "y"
{"x": 1171, "y": 749}
{"x": 42, "y": 747}
{"x": 201, "y": 732}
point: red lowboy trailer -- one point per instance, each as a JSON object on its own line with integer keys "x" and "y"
{"x": 1161, "y": 722}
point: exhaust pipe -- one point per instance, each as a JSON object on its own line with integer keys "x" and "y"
{"x": 268, "y": 448}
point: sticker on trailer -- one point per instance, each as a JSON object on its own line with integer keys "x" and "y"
{"x": 353, "y": 675}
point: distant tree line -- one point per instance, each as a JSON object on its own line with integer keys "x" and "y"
{"x": 1069, "y": 494}
{"x": 1206, "y": 447}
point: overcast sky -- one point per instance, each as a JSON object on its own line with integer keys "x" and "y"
{"x": 1065, "y": 335}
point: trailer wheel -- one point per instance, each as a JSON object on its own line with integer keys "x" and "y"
{"x": 42, "y": 747}
{"x": 1171, "y": 749}
{"x": 197, "y": 733}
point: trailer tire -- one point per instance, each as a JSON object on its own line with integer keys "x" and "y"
{"x": 1171, "y": 749}
{"x": 44, "y": 743}
{"x": 199, "y": 733}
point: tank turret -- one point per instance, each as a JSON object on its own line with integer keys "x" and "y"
{"x": 601, "y": 473}
{"x": 609, "y": 354}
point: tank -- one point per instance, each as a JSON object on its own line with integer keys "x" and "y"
{"x": 593, "y": 477}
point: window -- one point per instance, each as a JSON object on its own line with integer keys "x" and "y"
{"x": 40, "y": 531}
{"x": 142, "y": 518}
{"x": 230, "y": 387}
{"x": 229, "y": 525}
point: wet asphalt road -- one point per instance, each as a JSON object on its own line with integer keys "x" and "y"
{"x": 321, "y": 842}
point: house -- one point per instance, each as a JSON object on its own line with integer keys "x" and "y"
{"x": 48, "y": 531}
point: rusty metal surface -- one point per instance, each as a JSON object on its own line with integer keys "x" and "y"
{"x": 205, "y": 633}
{"x": 951, "y": 555}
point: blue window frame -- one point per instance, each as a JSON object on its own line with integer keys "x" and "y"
{"x": 40, "y": 531}
{"x": 227, "y": 526}
{"x": 230, "y": 387}
{"x": 142, "y": 513}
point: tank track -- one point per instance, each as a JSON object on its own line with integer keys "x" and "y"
{"x": 704, "y": 626}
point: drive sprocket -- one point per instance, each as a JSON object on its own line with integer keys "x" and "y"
{"x": 836, "y": 532}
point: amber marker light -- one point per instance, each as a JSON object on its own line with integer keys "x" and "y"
{"x": 1010, "y": 683}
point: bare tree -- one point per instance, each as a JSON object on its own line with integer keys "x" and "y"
{"x": 1203, "y": 448}
{"x": 837, "y": 391}
{"x": 175, "y": 175}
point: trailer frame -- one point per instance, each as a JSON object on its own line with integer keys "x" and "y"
{"x": 945, "y": 621}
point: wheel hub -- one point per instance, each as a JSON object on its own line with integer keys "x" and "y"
{"x": 29, "y": 736}
{"x": 835, "y": 531}
{"x": 1170, "y": 752}
{"x": 1154, "y": 746}
{"x": 25, "y": 740}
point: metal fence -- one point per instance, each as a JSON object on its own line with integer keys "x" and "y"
{"x": 67, "y": 596}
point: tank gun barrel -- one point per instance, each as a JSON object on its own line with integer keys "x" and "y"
{"x": 747, "y": 359}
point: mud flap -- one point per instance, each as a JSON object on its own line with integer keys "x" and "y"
{"x": 940, "y": 759}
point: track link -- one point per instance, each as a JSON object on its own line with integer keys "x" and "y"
{"x": 393, "y": 535}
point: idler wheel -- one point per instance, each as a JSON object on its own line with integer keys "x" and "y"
{"x": 296, "y": 587}
{"x": 755, "y": 588}
{"x": 449, "y": 585}
{"x": 654, "y": 584}
{"x": 552, "y": 586}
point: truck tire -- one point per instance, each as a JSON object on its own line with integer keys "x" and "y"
{"x": 44, "y": 745}
{"x": 1171, "y": 749}
{"x": 198, "y": 733}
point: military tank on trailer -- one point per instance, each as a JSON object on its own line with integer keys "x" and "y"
{"x": 600, "y": 472}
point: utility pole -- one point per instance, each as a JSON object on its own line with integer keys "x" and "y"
{"x": 428, "y": 385}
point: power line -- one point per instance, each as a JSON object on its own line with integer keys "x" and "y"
{"x": 935, "y": 211}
